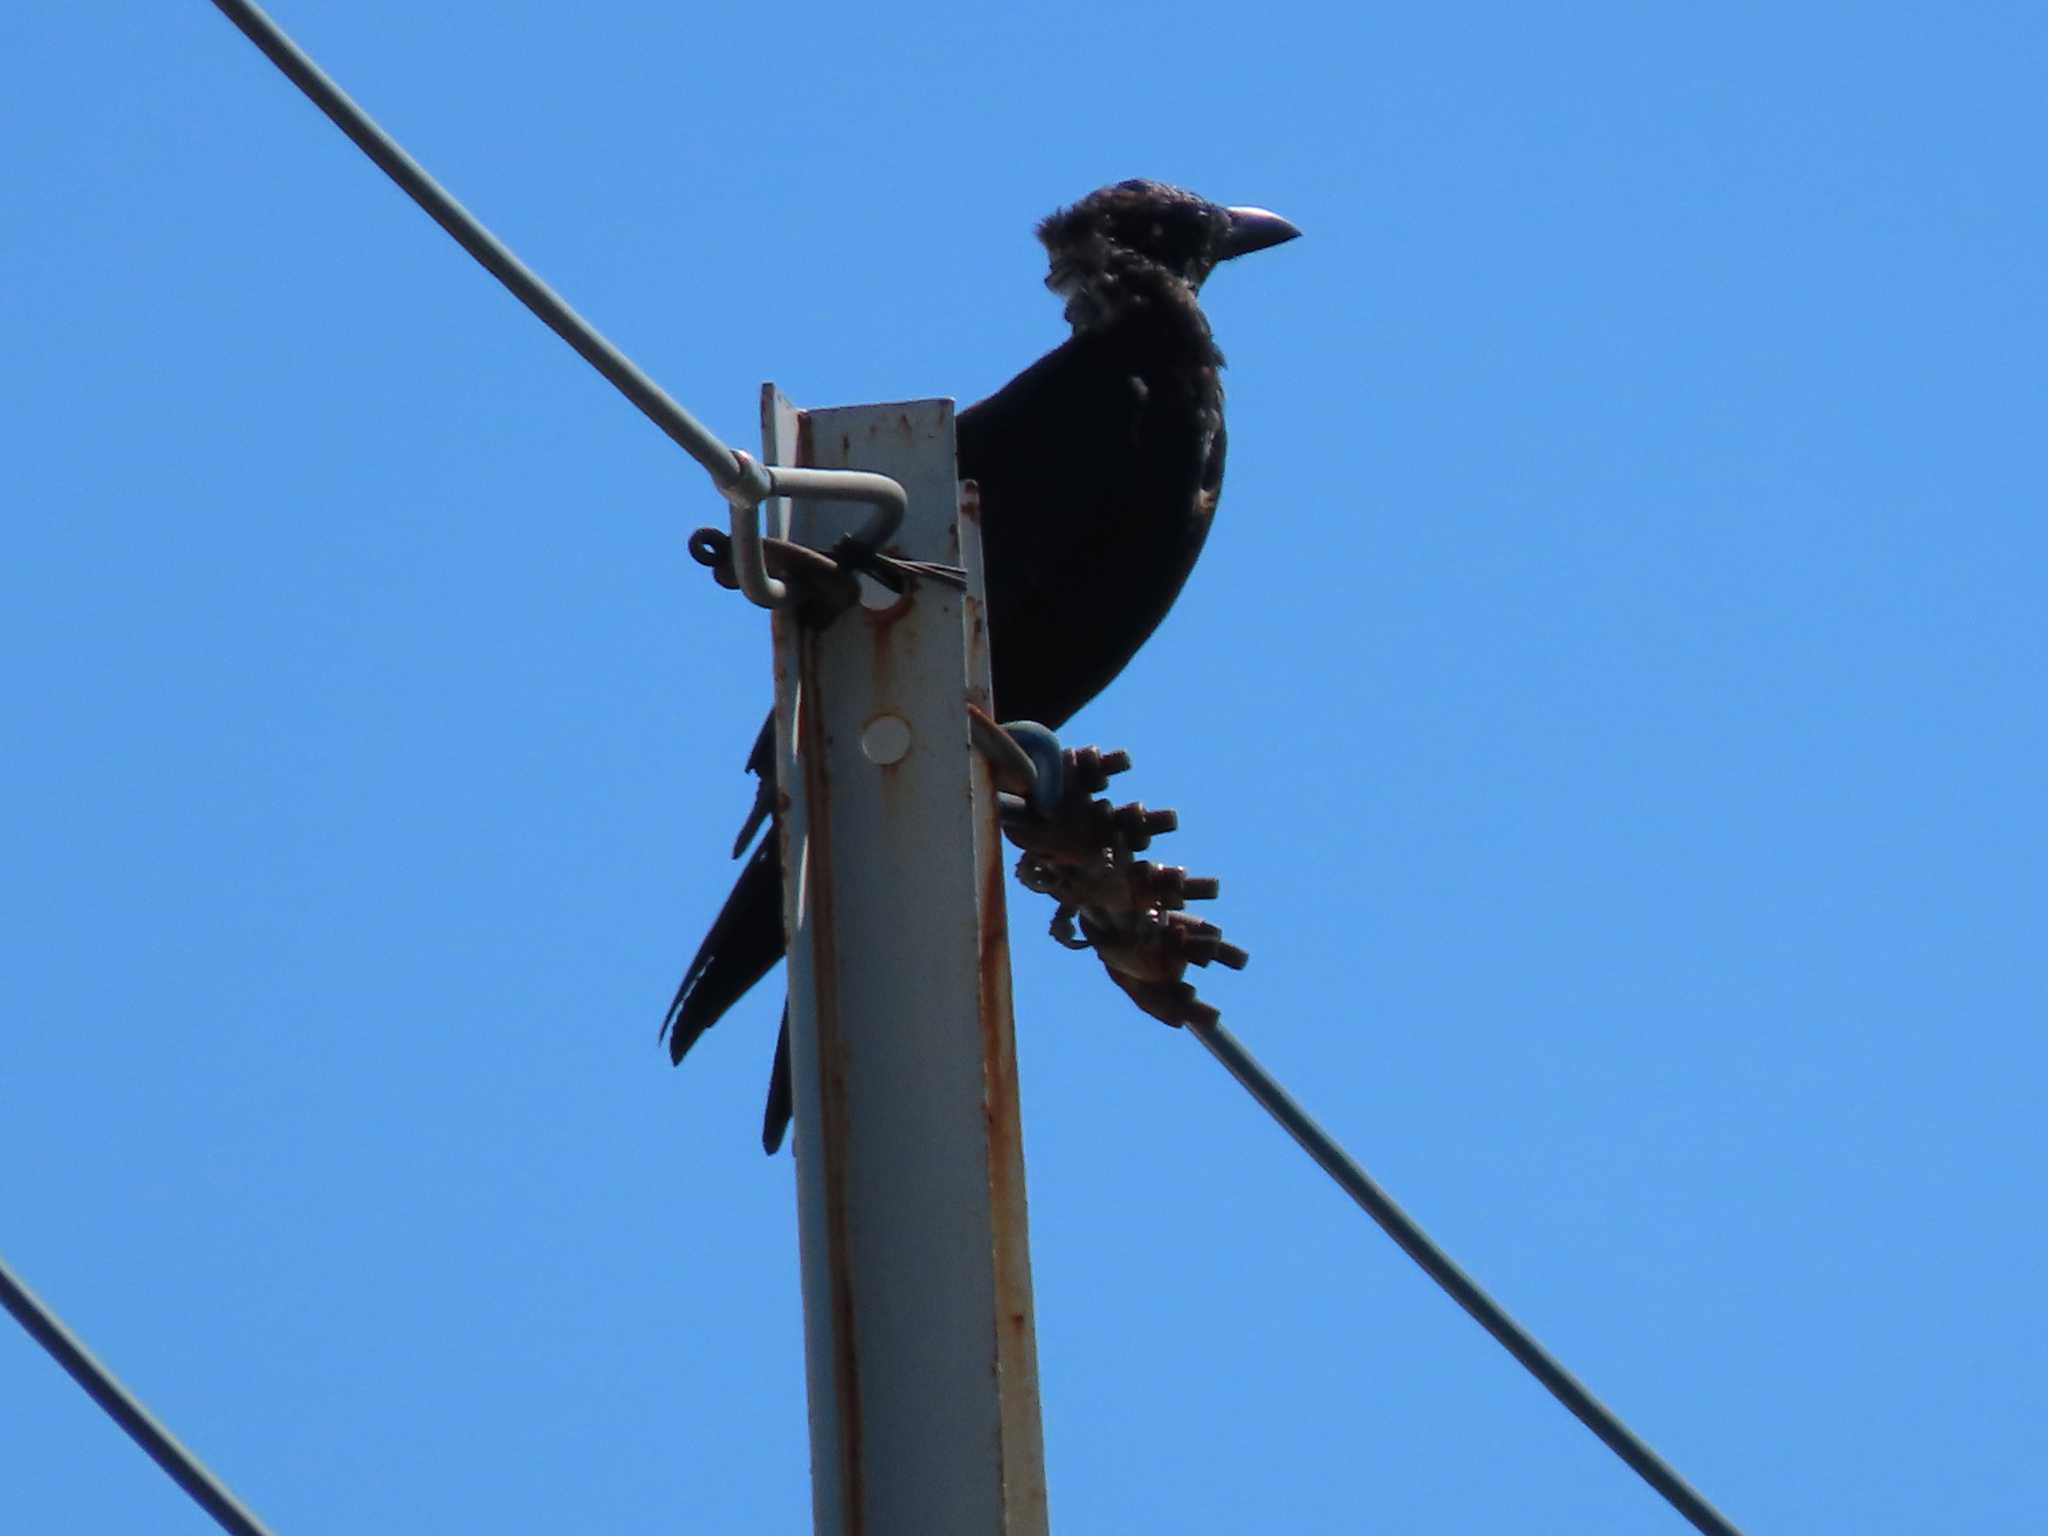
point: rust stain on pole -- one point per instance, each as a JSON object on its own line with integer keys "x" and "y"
{"x": 1016, "y": 1341}
{"x": 818, "y": 886}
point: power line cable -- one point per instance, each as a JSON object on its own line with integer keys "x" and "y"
{"x": 551, "y": 308}
{"x": 743, "y": 482}
{"x": 1461, "y": 1287}
{"x": 121, "y": 1405}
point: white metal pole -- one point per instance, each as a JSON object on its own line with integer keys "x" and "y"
{"x": 919, "y": 1338}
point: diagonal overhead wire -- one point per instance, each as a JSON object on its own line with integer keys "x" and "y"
{"x": 492, "y": 254}
{"x": 121, "y": 1405}
{"x": 1461, "y": 1287}
{"x": 743, "y": 482}
{"x": 1082, "y": 852}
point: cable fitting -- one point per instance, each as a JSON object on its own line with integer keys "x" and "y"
{"x": 1082, "y": 851}
{"x": 753, "y": 482}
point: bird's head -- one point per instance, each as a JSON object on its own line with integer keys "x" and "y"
{"x": 1175, "y": 230}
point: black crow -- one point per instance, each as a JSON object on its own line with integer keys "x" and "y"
{"x": 1099, "y": 468}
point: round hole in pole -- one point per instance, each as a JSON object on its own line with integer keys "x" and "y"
{"x": 885, "y": 740}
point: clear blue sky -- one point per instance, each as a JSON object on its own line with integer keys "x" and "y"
{"x": 1613, "y": 700}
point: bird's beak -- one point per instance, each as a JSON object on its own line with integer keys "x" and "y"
{"x": 1255, "y": 229}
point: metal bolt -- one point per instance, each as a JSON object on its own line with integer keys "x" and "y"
{"x": 885, "y": 740}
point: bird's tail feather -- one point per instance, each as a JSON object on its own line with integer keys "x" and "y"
{"x": 775, "y": 1117}
{"x": 743, "y": 945}
{"x": 761, "y": 764}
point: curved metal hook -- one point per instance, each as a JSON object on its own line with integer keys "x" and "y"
{"x": 1043, "y": 748}
{"x": 757, "y": 482}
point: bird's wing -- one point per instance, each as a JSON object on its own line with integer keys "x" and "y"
{"x": 1099, "y": 467}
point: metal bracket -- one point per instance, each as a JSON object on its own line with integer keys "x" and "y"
{"x": 758, "y": 482}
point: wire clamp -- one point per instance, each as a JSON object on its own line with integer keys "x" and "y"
{"x": 777, "y": 573}
{"x": 1082, "y": 851}
{"x": 752, "y": 482}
